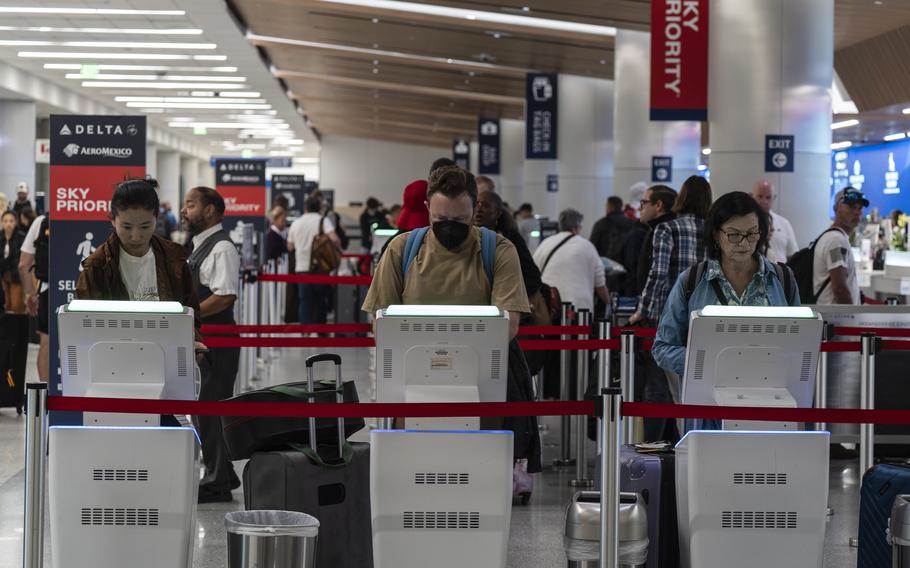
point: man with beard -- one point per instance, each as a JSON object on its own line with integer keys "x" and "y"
{"x": 215, "y": 267}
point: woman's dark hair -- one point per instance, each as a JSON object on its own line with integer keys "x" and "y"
{"x": 10, "y": 212}
{"x": 29, "y": 214}
{"x": 135, "y": 193}
{"x": 504, "y": 222}
{"x": 694, "y": 197}
{"x": 452, "y": 181}
{"x": 728, "y": 206}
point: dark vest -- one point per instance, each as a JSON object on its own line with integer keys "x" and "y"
{"x": 199, "y": 254}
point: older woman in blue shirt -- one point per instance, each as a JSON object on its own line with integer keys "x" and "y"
{"x": 736, "y": 273}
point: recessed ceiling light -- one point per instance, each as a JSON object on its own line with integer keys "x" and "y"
{"x": 116, "y": 67}
{"x": 224, "y": 125}
{"x": 88, "y": 11}
{"x": 101, "y": 55}
{"x": 844, "y": 124}
{"x": 200, "y": 106}
{"x": 896, "y": 136}
{"x": 375, "y": 20}
{"x": 130, "y": 77}
{"x": 841, "y": 145}
{"x": 160, "y": 85}
{"x": 706, "y": 151}
{"x": 140, "y": 31}
{"x": 109, "y": 44}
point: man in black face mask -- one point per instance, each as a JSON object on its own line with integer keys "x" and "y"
{"x": 449, "y": 265}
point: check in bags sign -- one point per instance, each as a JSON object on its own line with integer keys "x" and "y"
{"x": 541, "y": 122}
{"x": 679, "y": 60}
{"x": 488, "y": 146}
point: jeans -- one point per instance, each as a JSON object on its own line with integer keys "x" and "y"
{"x": 312, "y": 302}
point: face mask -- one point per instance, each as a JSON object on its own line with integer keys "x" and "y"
{"x": 450, "y": 233}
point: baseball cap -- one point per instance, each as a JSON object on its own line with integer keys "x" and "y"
{"x": 21, "y": 187}
{"x": 850, "y": 195}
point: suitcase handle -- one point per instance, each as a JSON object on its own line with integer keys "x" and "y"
{"x": 313, "y": 359}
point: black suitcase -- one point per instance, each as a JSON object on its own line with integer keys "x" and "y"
{"x": 13, "y": 360}
{"x": 881, "y": 485}
{"x": 337, "y": 494}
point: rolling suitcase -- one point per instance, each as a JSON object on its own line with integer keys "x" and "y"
{"x": 881, "y": 485}
{"x": 13, "y": 359}
{"x": 315, "y": 481}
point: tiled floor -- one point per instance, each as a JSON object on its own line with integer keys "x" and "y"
{"x": 536, "y": 538}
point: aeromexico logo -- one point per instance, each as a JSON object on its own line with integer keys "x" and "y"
{"x": 71, "y": 150}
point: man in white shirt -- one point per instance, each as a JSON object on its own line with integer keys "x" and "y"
{"x": 312, "y": 298}
{"x": 215, "y": 266}
{"x": 570, "y": 263}
{"x": 834, "y": 270}
{"x": 782, "y": 241}
{"x": 36, "y": 303}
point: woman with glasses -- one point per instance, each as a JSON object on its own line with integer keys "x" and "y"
{"x": 736, "y": 273}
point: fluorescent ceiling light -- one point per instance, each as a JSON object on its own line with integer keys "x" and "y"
{"x": 96, "y": 55}
{"x": 110, "y": 44}
{"x": 841, "y": 145}
{"x": 151, "y": 85}
{"x": 421, "y": 310}
{"x": 244, "y": 94}
{"x": 191, "y": 100}
{"x": 844, "y": 124}
{"x": 706, "y": 151}
{"x": 288, "y": 142}
{"x": 117, "y": 67}
{"x": 897, "y": 136}
{"x": 142, "y": 31}
{"x": 125, "y": 307}
{"x": 280, "y": 153}
{"x": 56, "y": 11}
{"x": 226, "y": 125}
{"x": 479, "y": 16}
{"x": 758, "y": 311}
{"x": 200, "y": 106}
{"x": 132, "y": 77}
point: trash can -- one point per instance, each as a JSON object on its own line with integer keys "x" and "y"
{"x": 271, "y": 539}
{"x": 582, "y": 537}
{"x": 899, "y": 532}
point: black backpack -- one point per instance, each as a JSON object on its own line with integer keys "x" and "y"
{"x": 42, "y": 259}
{"x": 802, "y": 263}
{"x": 694, "y": 275}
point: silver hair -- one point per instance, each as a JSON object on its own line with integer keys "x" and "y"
{"x": 570, "y": 219}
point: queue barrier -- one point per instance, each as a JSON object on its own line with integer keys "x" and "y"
{"x": 223, "y": 329}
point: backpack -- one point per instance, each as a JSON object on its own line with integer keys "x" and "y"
{"x": 324, "y": 256}
{"x": 693, "y": 277}
{"x": 487, "y": 250}
{"x": 42, "y": 260}
{"x": 802, "y": 263}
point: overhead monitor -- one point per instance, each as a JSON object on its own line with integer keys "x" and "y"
{"x": 428, "y": 353}
{"x": 752, "y": 356}
{"x": 126, "y": 350}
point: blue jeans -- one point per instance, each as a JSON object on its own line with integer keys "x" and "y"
{"x": 312, "y": 303}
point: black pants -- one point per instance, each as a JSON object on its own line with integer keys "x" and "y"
{"x": 313, "y": 299}
{"x": 652, "y": 386}
{"x": 219, "y": 373}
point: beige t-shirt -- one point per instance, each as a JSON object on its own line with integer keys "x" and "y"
{"x": 441, "y": 276}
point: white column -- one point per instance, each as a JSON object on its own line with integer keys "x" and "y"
{"x": 636, "y": 137}
{"x": 585, "y": 136}
{"x": 169, "y": 176}
{"x": 510, "y": 181}
{"x": 189, "y": 174}
{"x": 18, "y": 124}
{"x": 206, "y": 175}
{"x": 151, "y": 160}
{"x": 771, "y": 67}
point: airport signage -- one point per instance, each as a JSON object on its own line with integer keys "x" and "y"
{"x": 489, "y": 146}
{"x": 242, "y": 185}
{"x": 880, "y": 171}
{"x": 679, "y": 60}
{"x": 541, "y": 104}
{"x": 291, "y": 187}
{"x": 461, "y": 153}
{"x": 89, "y": 156}
{"x": 661, "y": 169}
{"x": 779, "y": 153}
{"x": 552, "y": 183}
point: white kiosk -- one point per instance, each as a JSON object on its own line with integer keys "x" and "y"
{"x": 750, "y": 498}
{"x": 441, "y": 491}
{"x": 122, "y": 489}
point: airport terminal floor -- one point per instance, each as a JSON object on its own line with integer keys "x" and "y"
{"x": 536, "y": 539}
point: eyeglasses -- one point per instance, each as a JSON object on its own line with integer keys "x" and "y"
{"x": 736, "y": 237}
{"x": 644, "y": 202}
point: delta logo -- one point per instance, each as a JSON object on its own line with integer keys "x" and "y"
{"x": 98, "y": 130}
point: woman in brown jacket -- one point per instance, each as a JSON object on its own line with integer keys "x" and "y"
{"x": 134, "y": 263}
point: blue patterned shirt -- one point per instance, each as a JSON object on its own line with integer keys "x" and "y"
{"x": 677, "y": 246}
{"x": 755, "y": 293}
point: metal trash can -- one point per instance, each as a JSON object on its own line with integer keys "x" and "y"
{"x": 582, "y": 536}
{"x": 271, "y": 539}
{"x": 899, "y": 532}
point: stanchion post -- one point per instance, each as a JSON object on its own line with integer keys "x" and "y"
{"x": 35, "y": 466}
{"x": 627, "y": 376}
{"x": 565, "y": 456}
{"x": 611, "y": 441}
{"x": 604, "y": 331}
{"x": 869, "y": 347}
{"x": 821, "y": 378}
{"x": 581, "y": 425}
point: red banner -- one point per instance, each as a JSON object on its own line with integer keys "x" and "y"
{"x": 243, "y": 200}
{"x": 679, "y": 60}
{"x": 83, "y": 193}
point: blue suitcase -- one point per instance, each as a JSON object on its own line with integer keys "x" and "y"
{"x": 881, "y": 485}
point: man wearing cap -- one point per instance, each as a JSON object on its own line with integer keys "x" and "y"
{"x": 22, "y": 201}
{"x": 834, "y": 269}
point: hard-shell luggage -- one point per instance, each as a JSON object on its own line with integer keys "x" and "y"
{"x": 13, "y": 360}
{"x": 653, "y": 475}
{"x": 881, "y": 486}
{"x": 315, "y": 481}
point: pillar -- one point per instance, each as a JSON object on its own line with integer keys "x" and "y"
{"x": 18, "y": 124}
{"x": 510, "y": 181}
{"x": 206, "y": 175}
{"x": 151, "y": 160}
{"x": 585, "y": 137}
{"x": 771, "y": 65}
{"x": 169, "y": 176}
{"x": 189, "y": 176}
{"x": 636, "y": 137}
